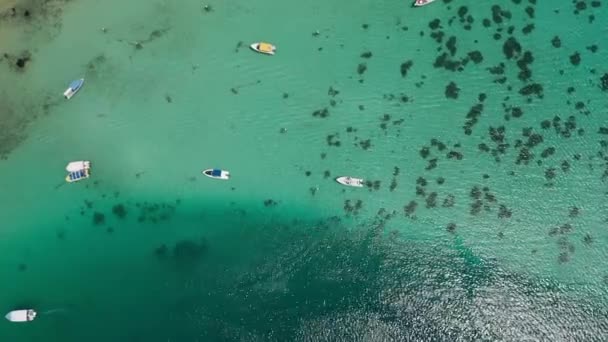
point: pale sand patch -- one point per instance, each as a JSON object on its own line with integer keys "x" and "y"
{"x": 7, "y": 4}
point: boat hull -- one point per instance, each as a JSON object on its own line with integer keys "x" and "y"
{"x": 350, "y": 181}
{"x": 73, "y": 88}
{"x": 419, "y": 3}
{"x": 256, "y": 47}
{"x": 26, "y": 315}
{"x": 223, "y": 174}
{"x": 78, "y": 165}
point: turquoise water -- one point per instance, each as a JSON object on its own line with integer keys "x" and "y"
{"x": 149, "y": 249}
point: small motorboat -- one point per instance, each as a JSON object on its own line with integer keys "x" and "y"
{"x": 350, "y": 181}
{"x": 265, "y": 48}
{"x": 77, "y": 175}
{"x": 73, "y": 88}
{"x": 217, "y": 174}
{"x": 422, "y": 2}
{"x": 78, "y": 165}
{"x": 25, "y": 315}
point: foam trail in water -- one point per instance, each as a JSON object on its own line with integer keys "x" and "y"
{"x": 52, "y": 311}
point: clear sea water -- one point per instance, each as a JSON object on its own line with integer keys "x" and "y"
{"x": 480, "y": 126}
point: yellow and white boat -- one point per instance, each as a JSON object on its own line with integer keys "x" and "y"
{"x": 265, "y": 48}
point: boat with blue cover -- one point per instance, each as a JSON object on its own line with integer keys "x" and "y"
{"x": 77, "y": 175}
{"x": 73, "y": 88}
{"x": 217, "y": 174}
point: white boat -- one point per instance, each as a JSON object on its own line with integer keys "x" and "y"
{"x": 77, "y": 175}
{"x": 25, "y": 315}
{"x": 73, "y": 88}
{"x": 217, "y": 174}
{"x": 422, "y": 2}
{"x": 350, "y": 181}
{"x": 265, "y": 48}
{"x": 78, "y": 165}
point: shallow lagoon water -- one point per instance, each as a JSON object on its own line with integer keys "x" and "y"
{"x": 451, "y": 240}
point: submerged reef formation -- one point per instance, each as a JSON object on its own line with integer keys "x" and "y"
{"x": 185, "y": 254}
{"x": 537, "y": 146}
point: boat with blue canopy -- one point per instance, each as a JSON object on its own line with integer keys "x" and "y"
{"x": 73, "y": 88}
{"x": 77, "y": 175}
{"x": 217, "y": 174}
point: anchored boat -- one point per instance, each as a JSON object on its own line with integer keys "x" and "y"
{"x": 78, "y": 170}
{"x": 26, "y": 315}
{"x": 78, "y": 165}
{"x": 77, "y": 175}
{"x": 217, "y": 174}
{"x": 422, "y": 2}
{"x": 73, "y": 88}
{"x": 265, "y": 48}
{"x": 350, "y": 181}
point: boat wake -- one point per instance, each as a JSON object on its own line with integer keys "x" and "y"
{"x": 54, "y": 311}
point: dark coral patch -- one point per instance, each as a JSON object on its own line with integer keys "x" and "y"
{"x": 99, "y": 218}
{"x": 425, "y": 152}
{"x": 575, "y": 59}
{"x": 270, "y": 203}
{"x": 451, "y": 91}
{"x": 475, "y": 56}
{"x": 511, "y": 48}
{"x": 161, "y": 251}
{"x": 119, "y": 210}
{"x": 431, "y": 200}
{"x": 527, "y": 29}
{"x": 321, "y": 113}
{"x": 532, "y": 89}
{"x": 405, "y": 67}
{"x": 367, "y": 54}
{"x": 186, "y": 252}
{"x": 451, "y": 227}
{"x": 361, "y": 68}
{"x": 516, "y": 112}
{"x": 410, "y": 208}
{"x": 365, "y": 144}
{"x": 504, "y": 212}
{"x": 604, "y": 82}
{"x": 449, "y": 201}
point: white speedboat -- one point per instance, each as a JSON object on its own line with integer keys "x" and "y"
{"x": 77, "y": 175}
{"x": 350, "y": 181}
{"x": 73, "y": 88}
{"x": 25, "y": 315}
{"x": 217, "y": 174}
{"x": 422, "y": 2}
{"x": 265, "y": 48}
{"x": 78, "y": 165}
